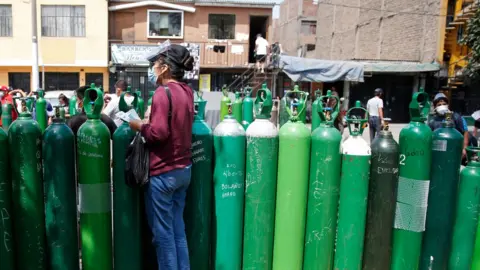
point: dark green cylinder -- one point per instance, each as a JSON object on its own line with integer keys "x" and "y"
{"x": 291, "y": 201}
{"x": 93, "y": 150}
{"x": 447, "y": 146}
{"x": 25, "y": 141}
{"x": 140, "y": 105}
{"x": 323, "y": 194}
{"x": 6, "y": 214}
{"x": 382, "y": 197}
{"x": 352, "y": 210}
{"x": 315, "y": 117}
{"x": 6, "y": 116}
{"x": 229, "y": 188}
{"x": 466, "y": 217}
{"x": 60, "y": 205}
{"x": 198, "y": 207}
{"x": 127, "y": 237}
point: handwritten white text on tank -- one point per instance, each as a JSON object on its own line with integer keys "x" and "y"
{"x": 232, "y": 186}
{"x": 6, "y": 235}
{"x": 198, "y": 159}
{"x": 228, "y": 173}
{"x": 94, "y": 155}
{"x": 89, "y": 140}
{"x": 198, "y": 151}
{"x": 381, "y": 170}
{"x": 196, "y": 143}
{"x": 229, "y": 194}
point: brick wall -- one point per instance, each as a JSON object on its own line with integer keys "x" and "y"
{"x": 346, "y": 33}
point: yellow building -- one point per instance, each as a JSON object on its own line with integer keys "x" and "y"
{"x": 458, "y": 14}
{"x": 73, "y": 43}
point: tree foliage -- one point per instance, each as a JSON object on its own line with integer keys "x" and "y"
{"x": 472, "y": 41}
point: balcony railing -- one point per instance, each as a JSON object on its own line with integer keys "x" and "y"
{"x": 231, "y": 54}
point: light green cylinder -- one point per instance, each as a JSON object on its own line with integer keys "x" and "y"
{"x": 237, "y": 108}
{"x": 41, "y": 111}
{"x": 291, "y": 202}
{"x": 466, "y": 219}
{"x": 229, "y": 179}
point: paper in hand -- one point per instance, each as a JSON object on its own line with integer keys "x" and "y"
{"x": 128, "y": 116}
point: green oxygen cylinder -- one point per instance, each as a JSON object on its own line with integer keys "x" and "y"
{"x": 303, "y": 115}
{"x": 25, "y": 148}
{"x": 292, "y": 189}
{"x": 198, "y": 206}
{"x": 6, "y": 116}
{"x": 6, "y": 214}
{"x": 224, "y": 103}
{"x": 413, "y": 183}
{"x": 283, "y": 114}
{"x": 315, "y": 116}
{"x": 127, "y": 237}
{"x": 466, "y": 214}
{"x": 352, "y": 210}
{"x": 447, "y": 146}
{"x": 228, "y": 180}
{"x": 382, "y": 196}
{"x": 94, "y": 191}
{"x": 72, "y": 103}
{"x": 247, "y": 113}
{"x": 323, "y": 192}
{"x": 261, "y": 182}
{"x": 150, "y": 97}
{"x": 237, "y": 107}
{"x": 60, "y": 205}
{"x": 61, "y": 113}
{"x": 41, "y": 110}
{"x": 140, "y": 107}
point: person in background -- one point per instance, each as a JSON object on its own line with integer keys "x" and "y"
{"x": 435, "y": 121}
{"x": 76, "y": 121}
{"x": 261, "y": 50}
{"x": 375, "y": 113}
{"x": 169, "y": 140}
{"x": 6, "y": 97}
{"x": 63, "y": 100}
{"x": 276, "y": 51}
{"x": 111, "y": 109}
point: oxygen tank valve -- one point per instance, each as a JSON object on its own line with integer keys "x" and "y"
{"x": 229, "y": 108}
{"x": 386, "y": 121}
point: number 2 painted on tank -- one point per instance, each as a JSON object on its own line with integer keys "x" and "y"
{"x": 402, "y": 159}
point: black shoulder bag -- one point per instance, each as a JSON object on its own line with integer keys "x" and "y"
{"x": 137, "y": 162}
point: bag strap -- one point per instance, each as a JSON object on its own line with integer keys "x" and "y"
{"x": 169, "y": 95}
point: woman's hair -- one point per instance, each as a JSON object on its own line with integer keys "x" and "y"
{"x": 64, "y": 98}
{"x": 178, "y": 60}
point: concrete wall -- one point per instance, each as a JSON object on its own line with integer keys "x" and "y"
{"x": 373, "y": 32}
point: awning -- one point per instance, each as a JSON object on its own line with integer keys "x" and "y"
{"x": 399, "y": 67}
{"x": 151, "y": 3}
{"x": 315, "y": 70}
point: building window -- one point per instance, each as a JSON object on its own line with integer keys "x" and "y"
{"x": 61, "y": 81}
{"x": 19, "y": 80}
{"x": 63, "y": 21}
{"x": 221, "y": 26}
{"x": 309, "y": 27}
{"x": 96, "y": 78}
{"x": 5, "y": 20}
{"x": 165, "y": 24}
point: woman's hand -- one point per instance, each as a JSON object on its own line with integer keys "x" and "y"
{"x": 136, "y": 125}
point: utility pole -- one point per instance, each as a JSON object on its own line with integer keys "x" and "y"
{"x": 35, "y": 72}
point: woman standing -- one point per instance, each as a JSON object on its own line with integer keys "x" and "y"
{"x": 168, "y": 136}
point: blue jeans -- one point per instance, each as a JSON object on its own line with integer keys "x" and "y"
{"x": 164, "y": 203}
{"x": 375, "y": 125}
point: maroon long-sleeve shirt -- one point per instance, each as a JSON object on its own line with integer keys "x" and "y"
{"x": 170, "y": 148}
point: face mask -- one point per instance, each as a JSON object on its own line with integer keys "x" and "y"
{"x": 442, "y": 109}
{"x": 152, "y": 77}
{"x": 2, "y": 94}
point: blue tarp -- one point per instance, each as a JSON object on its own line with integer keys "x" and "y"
{"x": 315, "y": 70}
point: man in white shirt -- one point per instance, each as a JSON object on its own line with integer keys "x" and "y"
{"x": 375, "y": 113}
{"x": 261, "y": 48}
{"x": 112, "y": 107}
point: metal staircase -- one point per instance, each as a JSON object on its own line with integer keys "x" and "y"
{"x": 254, "y": 78}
